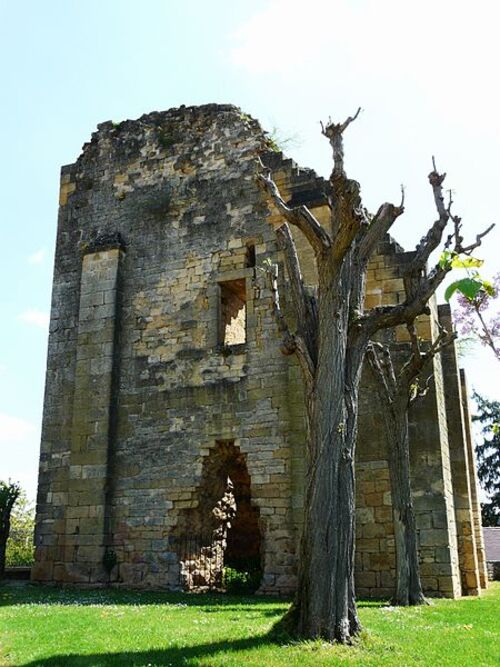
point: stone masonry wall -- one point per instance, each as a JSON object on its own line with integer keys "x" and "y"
{"x": 429, "y": 456}
{"x": 179, "y": 189}
{"x": 163, "y": 239}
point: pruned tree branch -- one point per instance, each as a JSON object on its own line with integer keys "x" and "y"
{"x": 306, "y": 363}
{"x": 419, "y": 285}
{"x": 379, "y": 226}
{"x": 291, "y": 343}
{"x": 466, "y": 250}
{"x": 380, "y": 361}
{"x": 419, "y": 360}
{"x": 305, "y": 311}
{"x": 299, "y": 216}
{"x": 433, "y": 237}
{"x": 348, "y": 216}
{"x": 334, "y": 132}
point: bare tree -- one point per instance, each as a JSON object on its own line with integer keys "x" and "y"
{"x": 397, "y": 391}
{"x": 332, "y": 335}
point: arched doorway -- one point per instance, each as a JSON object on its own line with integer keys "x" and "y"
{"x": 223, "y": 529}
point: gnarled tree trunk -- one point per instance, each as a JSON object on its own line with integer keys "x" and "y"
{"x": 332, "y": 335}
{"x": 396, "y": 393}
{"x": 408, "y": 588}
{"x": 325, "y": 605}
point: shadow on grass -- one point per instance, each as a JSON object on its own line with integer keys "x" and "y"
{"x": 27, "y": 593}
{"x": 176, "y": 655}
{"x": 69, "y": 596}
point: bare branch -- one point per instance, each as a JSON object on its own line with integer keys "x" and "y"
{"x": 418, "y": 360}
{"x": 299, "y": 216}
{"x": 466, "y": 250}
{"x": 348, "y": 216}
{"x": 420, "y": 391}
{"x": 379, "y": 226}
{"x": 380, "y": 362}
{"x": 487, "y": 337}
{"x": 291, "y": 343}
{"x": 305, "y": 314}
{"x": 341, "y": 126}
{"x": 415, "y": 344}
{"x": 418, "y": 284}
{"x": 444, "y": 339}
{"x": 306, "y": 363}
{"x": 334, "y": 131}
{"x": 433, "y": 237}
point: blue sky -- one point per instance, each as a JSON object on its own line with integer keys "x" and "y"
{"x": 425, "y": 74}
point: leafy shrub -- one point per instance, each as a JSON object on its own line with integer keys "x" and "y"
{"x": 240, "y": 582}
{"x": 20, "y": 549}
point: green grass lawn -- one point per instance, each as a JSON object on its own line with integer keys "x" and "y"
{"x": 68, "y": 628}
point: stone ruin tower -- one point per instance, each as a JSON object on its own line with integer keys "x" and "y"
{"x": 173, "y": 429}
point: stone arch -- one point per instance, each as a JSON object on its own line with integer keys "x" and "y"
{"x": 222, "y": 526}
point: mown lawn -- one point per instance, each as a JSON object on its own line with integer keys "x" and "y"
{"x": 67, "y": 628}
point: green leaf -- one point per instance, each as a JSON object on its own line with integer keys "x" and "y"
{"x": 450, "y": 290}
{"x": 469, "y": 287}
{"x": 488, "y": 288}
{"x": 445, "y": 259}
{"x": 466, "y": 262}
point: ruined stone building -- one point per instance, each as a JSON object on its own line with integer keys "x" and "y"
{"x": 173, "y": 430}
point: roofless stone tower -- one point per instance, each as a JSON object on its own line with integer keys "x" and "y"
{"x": 173, "y": 427}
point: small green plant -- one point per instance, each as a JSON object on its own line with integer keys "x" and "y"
{"x": 279, "y": 143}
{"x": 245, "y": 116}
{"x": 240, "y": 582}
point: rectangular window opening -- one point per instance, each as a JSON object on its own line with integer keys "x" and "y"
{"x": 233, "y": 312}
{"x": 250, "y": 256}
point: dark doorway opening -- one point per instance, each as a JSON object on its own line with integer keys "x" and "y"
{"x": 219, "y": 540}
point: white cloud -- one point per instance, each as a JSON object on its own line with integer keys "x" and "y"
{"x": 14, "y": 430}
{"x": 19, "y": 442}
{"x": 35, "y": 318}
{"x": 445, "y": 53}
{"x": 37, "y": 257}
{"x": 283, "y": 36}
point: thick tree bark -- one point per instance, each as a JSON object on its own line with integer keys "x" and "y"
{"x": 394, "y": 395}
{"x": 330, "y": 342}
{"x": 325, "y": 603}
{"x": 408, "y": 588}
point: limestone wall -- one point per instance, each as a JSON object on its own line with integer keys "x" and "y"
{"x": 179, "y": 190}
{"x": 164, "y": 239}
